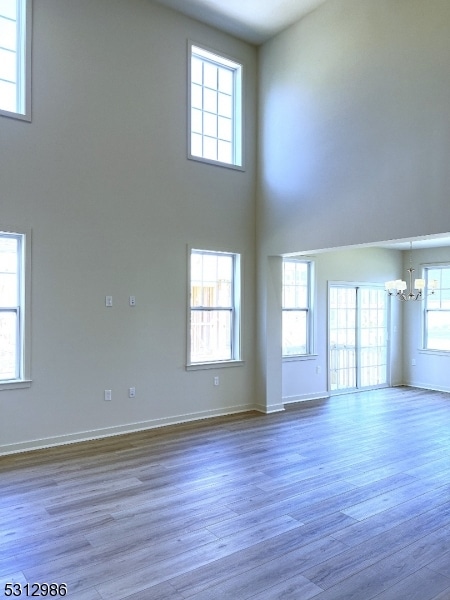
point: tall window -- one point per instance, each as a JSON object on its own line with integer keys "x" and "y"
{"x": 215, "y": 108}
{"x": 437, "y": 309}
{"x": 12, "y": 307}
{"x": 15, "y": 58}
{"x": 214, "y": 307}
{"x": 297, "y": 305}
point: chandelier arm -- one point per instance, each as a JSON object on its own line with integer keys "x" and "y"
{"x": 395, "y": 288}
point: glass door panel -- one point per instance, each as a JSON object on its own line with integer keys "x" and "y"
{"x": 357, "y": 337}
{"x": 373, "y": 337}
{"x": 342, "y": 338}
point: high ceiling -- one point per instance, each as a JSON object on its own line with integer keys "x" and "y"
{"x": 256, "y": 21}
{"x": 252, "y": 20}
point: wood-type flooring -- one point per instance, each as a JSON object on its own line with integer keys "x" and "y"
{"x": 346, "y": 498}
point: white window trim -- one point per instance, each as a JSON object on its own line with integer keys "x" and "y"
{"x": 310, "y": 341}
{"x": 237, "y": 359}
{"x": 239, "y": 149}
{"x": 434, "y": 352}
{"x": 299, "y": 357}
{"x": 24, "y": 379}
{"x": 24, "y": 47}
{"x": 424, "y": 349}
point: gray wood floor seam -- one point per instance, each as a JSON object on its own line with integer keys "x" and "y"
{"x": 345, "y": 497}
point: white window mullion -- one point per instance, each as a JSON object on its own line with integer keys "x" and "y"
{"x": 21, "y": 51}
{"x": 297, "y": 308}
{"x": 14, "y": 309}
{"x": 234, "y": 316}
{"x": 214, "y": 319}
{"x": 15, "y": 95}
{"x": 225, "y": 81}
{"x": 436, "y": 310}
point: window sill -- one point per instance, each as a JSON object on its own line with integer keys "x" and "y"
{"x": 299, "y": 357}
{"x": 15, "y": 115}
{"x": 434, "y": 352}
{"x": 217, "y": 163}
{"x": 215, "y": 365}
{"x": 15, "y": 384}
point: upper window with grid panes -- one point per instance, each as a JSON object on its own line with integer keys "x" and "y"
{"x": 215, "y": 111}
{"x": 15, "y": 58}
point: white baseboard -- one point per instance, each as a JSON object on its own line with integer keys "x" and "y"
{"x": 427, "y": 386}
{"x": 305, "y": 397}
{"x": 96, "y": 434}
{"x": 267, "y": 410}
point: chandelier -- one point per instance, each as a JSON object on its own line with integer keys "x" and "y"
{"x": 403, "y": 292}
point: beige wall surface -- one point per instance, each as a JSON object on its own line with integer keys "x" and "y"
{"x": 101, "y": 178}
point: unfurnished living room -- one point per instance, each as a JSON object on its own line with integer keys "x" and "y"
{"x": 225, "y": 299}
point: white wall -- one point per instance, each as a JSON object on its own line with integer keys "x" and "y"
{"x": 354, "y": 134}
{"x": 355, "y": 126}
{"x": 101, "y": 177}
{"x": 371, "y": 265}
{"x": 432, "y": 368}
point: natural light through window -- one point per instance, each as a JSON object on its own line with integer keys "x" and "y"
{"x": 215, "y": 108}
{"x": 11, "y": 306}
{"x": 214, "y": 307}
{"x": 15, "y": 51}
{"x": 437, "y": 309}
{"x": 296, "y": 336}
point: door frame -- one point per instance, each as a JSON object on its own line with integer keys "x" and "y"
{"x": 357, "y": 285}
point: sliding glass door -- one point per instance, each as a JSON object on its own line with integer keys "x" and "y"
{"x": 358, "y": 340}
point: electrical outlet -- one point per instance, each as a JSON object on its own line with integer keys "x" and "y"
{"x": 132, "y": 392}
{"x": 132, "y": 300}
{"x": 216, "y": 380}
{"x": 108, "y": 395}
